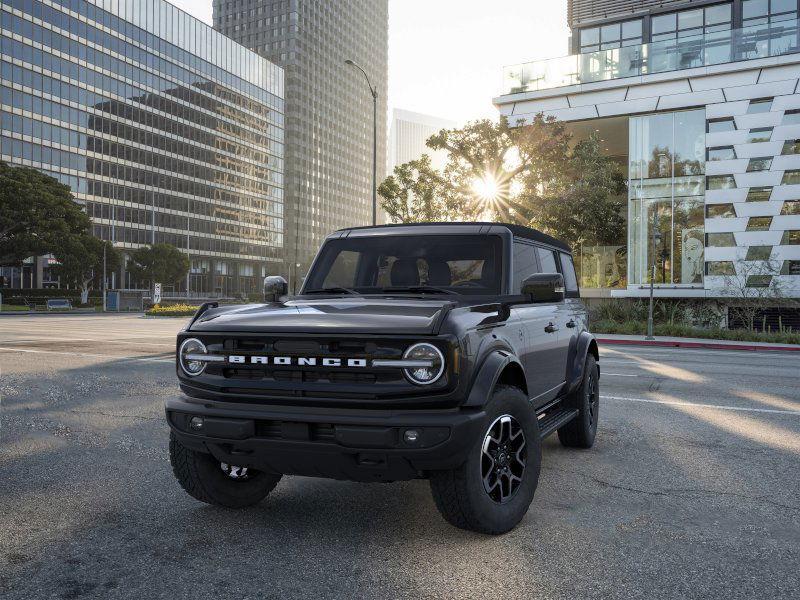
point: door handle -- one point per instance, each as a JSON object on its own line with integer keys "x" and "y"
{"x": 571, "y": 323}
{"x": 551, "y": 328}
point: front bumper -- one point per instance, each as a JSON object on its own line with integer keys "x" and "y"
{"x": 352, "y": 444}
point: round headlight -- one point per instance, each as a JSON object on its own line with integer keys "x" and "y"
{"x": 190, "y": 347}
{"x": 426, "y": 353}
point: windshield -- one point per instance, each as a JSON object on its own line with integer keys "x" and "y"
{"x": 418, "y": 264}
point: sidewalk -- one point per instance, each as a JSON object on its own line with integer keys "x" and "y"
{"x": 677, "y": 342}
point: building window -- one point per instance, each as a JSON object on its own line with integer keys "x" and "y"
{"x": 759, "y": 223}
{"x": 716, "y": 211}
{"x": 720, "y": 240}
{"x": 791, "y": 117}
{"x": 790, "y": 267}
{"x": 720, "y": 268}
{"x": 791, "y": 237}
{"x": 758, "y": 253}
{"x": 721, "y": 153}
{"x": 760, "y": 12}
{"x": 612, "y": 35}
{"x": 759, "y": 194}
{"x": 759, "y": 106}
{"x": 791, "y": 177}
{"x": 691, "y": 23}
{"x": 720, "y": 125}
{"x": 720, "y": 182}
{"x": 759, "y": 281}
{"x": 762, "y": 163}
{"x": 791, "y": 207}
{"x": 759, "y": 134}
{"x": 666, "y": 204}
{"x": 791, "y": 147}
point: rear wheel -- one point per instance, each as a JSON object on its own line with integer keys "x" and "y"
{"x": 208, "y": 480}
{"x": 492, "y": 490}
{"x": 581, "y": 431}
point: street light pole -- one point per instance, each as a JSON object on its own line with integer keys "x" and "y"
{"x": 374, "y": 93}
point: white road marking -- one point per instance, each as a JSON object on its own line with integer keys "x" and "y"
{"x": 86, "y": 354}
{"x": 698, "y": 405}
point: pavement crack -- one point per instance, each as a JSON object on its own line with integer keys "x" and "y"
{"x": 680, "y": 492}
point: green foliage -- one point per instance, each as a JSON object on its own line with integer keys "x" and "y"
{"x": 160, "y": 263}
{"x": 582, "y": 202}
{"x": 174, "y": 310}
{"x": 417, "y": 193}
{"x": 577, "y": 194}
{"x": 37, "y": 214}
{"x": 682, "y": 330}
{"x": 80, "y": 260}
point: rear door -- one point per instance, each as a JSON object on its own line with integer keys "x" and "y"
{"x": 539, "y": 340}
{"x": 559, "y": 316}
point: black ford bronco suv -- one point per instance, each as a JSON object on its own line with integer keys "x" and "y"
{"x": 438, "y": 351}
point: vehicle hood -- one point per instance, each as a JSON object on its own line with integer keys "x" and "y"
{"x": 329, "y": 316}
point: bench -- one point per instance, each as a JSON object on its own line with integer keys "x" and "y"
{"x": 59, "y": 304}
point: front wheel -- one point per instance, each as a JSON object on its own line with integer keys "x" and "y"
{"x": 492, "y": 490}
{"x": 581, "y": 431}
{"x": 208, "y": 480}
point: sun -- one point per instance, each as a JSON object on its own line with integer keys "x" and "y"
{"x": 486, "y": 188}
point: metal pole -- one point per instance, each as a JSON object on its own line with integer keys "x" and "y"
{"x": 105, "y": 285}
{"x": 374, "y": 157}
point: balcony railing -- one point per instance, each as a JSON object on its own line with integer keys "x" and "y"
{"x": 757, "y": 41}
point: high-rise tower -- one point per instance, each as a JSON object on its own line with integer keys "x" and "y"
{"x": 328, "y": 107}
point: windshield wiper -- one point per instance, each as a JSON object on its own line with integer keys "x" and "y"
{"x": 332, "y": 290}
{"x": 417, "y": 289}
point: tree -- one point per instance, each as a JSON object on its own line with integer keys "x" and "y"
{"x": 37, "y": 214}
{"x": 417, "y": 193}
{"x": 753, "y": 287}
{"x": 526, "y": 175}
{"x": 80, "y": 260}
{"x": 489, "y": 162}
{"x": 582, "y": 202}
{"x": 162, "y": 263}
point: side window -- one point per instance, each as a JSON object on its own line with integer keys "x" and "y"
{"x": 547, "y": 258}
{"x": 524, "y": 264}
{"x": 568, "y": 269}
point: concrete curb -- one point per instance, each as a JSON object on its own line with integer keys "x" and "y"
{"x": 710, "y": 344}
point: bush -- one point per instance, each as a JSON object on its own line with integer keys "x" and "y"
{"x": 174, "y": 310}
{"x": 681, "y": 330}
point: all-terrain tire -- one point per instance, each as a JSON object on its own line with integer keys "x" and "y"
{"x": 460, "y": 494}
{"x": 581, "y": 431}
{"x": 203, "y": 478}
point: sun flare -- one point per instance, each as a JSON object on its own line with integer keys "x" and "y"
{"x": 486, "y": 188}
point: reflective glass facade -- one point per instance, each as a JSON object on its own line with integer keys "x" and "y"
{"x": 166, "y": 130}
{"x": 666, "y": 187}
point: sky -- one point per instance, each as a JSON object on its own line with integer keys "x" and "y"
{"x": 446, "y": 57}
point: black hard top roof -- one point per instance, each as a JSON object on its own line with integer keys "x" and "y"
{"x": 471, "y": 227}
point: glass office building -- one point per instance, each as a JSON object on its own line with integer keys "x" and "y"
{"x": 699, "y": 103}
{"x": 166, "y": 131}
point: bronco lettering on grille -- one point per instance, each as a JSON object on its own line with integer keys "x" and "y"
{"x": 300, "y": 361}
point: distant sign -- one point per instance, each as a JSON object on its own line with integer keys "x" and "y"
{"x": 157, "y": 294}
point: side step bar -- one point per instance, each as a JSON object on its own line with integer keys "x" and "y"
{"x": 554, "y": 420}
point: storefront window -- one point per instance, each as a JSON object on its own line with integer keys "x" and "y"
{"x": 666, "y": 198}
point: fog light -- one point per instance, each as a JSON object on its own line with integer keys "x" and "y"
{"x": 411, "y": 436}
{"x": 196, "y": 423}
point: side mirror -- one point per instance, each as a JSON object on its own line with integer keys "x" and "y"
{"x": 544, "y": 287}
{"x": 275, "y": 286}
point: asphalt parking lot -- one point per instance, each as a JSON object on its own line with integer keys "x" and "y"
{"x": 691, "y": 491}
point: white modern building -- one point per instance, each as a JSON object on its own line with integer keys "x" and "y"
{"x": 407, "y": 136}
{"x": 699, "y": 101}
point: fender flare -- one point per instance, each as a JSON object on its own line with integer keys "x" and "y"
{"x": 585, "y": 345}
{"x": 488, "y": 374}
